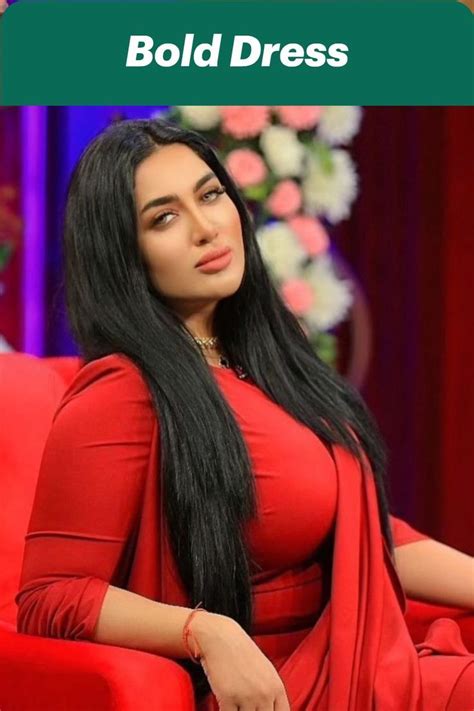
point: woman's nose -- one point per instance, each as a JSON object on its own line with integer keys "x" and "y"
{"x": 202, "y": 227}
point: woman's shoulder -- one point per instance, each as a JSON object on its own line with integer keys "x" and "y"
{"x": 108, "y": 382}
{"x": 110, "y": 367}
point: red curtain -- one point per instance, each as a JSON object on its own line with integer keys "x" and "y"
{"x": 410, "y": 242}
{"x": 456, "y": 491}
{"x": 10, "y": 225}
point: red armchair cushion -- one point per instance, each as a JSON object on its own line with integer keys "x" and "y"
{"x": 65, "y": 366}
{"x": 29, "y": 393}
{"x": 57, "y": 675}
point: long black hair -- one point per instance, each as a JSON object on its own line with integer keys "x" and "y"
{"x": 205, "y": 468}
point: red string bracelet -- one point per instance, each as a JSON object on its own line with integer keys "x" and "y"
{"x": 187, "y": 632}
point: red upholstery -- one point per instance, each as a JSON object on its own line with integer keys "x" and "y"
{"x": 55, "y": 675}
{"x": 38, "y": 674}
{"x": 66, "y": 367}
{"x": 29, "y": 394}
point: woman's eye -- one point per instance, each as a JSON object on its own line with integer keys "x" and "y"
{"x": 213, "y": 194}
{"x": 166, "y": 217}
{"x": 161, "y": 220}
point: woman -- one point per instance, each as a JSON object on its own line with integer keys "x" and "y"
{"x": 204, "y": 454}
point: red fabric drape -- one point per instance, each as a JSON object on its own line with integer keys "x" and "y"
{"x": 410, "y": 242}
{"x": 10, "y": 228}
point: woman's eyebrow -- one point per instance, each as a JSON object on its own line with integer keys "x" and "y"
{"x": 156, "y": 202}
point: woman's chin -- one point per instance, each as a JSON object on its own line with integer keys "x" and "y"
{"x": 222, "y": 287}
{"x": 218, "y": 294}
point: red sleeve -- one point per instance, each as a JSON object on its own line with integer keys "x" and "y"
{"x": 404, "y": 533}
{"x": 87, "y": 499}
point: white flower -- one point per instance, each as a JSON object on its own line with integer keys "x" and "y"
{"x": 330, "y": 192}
{"x": 332, "y": 296}
{"x": 280, "y": 250}
{"x": 283, "y": 151}
{"x": 200, "y": 117}
{"x": 339, "y": 124}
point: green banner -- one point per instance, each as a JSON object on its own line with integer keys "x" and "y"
{"x": 371, "y": 53}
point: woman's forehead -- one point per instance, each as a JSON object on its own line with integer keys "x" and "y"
{"x": 170, "y": 169}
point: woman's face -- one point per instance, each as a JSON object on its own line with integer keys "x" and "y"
{"x": 183, "y": 215}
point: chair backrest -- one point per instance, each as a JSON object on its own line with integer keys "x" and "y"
{"x": 30, "y": 391}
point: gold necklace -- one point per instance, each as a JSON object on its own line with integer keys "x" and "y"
{"x": 209, "y": 342}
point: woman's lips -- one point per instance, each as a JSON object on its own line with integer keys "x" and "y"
{"x": 216, "y": 265}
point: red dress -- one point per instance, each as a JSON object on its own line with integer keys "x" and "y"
{"x": 337, "y": 637}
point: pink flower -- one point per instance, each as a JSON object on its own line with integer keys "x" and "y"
{"x": 246, "y": 167}
{"x": 298, "y": 295}
{"x": 310, "y": 233}
{"x": 285, "y": 199}
{"x": 244, "y": 121}
{"x": 301, "y": 118}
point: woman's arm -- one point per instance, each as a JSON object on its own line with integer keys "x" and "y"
{"x": 433, "y": 572}
{"x": 87, "y": 508}
{"x": 238, "y": 672}
{"x": 87, "y": 501}
{"x": 134, "y": 621}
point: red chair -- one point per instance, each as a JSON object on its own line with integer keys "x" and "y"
{"x": 37, "y": 673}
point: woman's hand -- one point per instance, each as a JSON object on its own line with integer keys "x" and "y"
{"x": 239, "y": 674}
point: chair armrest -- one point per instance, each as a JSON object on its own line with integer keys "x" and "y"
{"x": 40, "y": 674}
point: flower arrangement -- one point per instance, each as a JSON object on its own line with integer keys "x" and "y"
{"x": 298, "y": 181}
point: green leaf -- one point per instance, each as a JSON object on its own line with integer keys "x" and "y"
{"x": 6, "y": 251}
{"x": 325, "y": 346}
{"x": 322, "y": 153}
{"x": 257, "y": 192}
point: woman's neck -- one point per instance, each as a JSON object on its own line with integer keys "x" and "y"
{"x": 200, "y": 324}
{"x": 197, "y": 317}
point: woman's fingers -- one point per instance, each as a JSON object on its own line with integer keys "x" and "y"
{"x": 282, "y": 703}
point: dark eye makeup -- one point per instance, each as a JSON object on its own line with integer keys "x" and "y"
{"x": 160, "y": 220}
